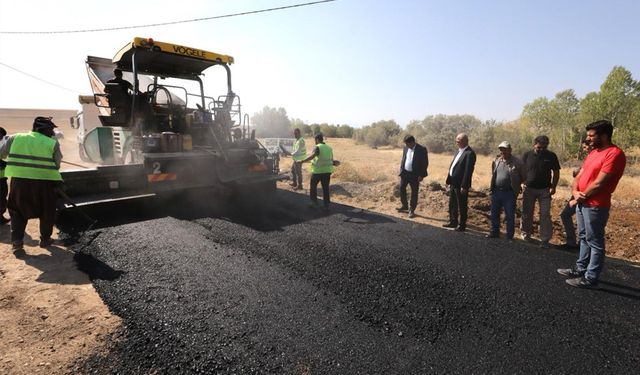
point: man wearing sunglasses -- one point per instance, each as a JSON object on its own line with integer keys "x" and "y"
{"x": 542, "y": 175}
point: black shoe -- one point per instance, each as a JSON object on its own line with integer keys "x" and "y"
{"x": 460, "y": 228}
{"x": 450, "y": 225}
{"x": 402, "y": 209}
{"x": 44, "y": 243}
{"x": 412, "y": 214}
{"x": 17, "y": 245}
{"x": 572, "y": 272}
{"x": 492, "y": 235}
{"x": 582, "y": 282}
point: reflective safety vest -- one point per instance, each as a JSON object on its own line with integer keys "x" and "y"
{"x": 323, "y": 163}
{"x": 299, "y": 151}
{"x": 31, "y": 157}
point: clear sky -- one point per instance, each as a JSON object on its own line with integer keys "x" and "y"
{"x": 348, "y": 61}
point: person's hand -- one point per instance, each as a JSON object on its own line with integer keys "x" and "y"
{"x": 464, "y": 190}
{"x": 578, "y": 196}
{"x": 573, "y": 203}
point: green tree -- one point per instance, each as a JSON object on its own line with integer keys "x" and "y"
{"x": 344, "y": 131}
{"x": 272, "y": 122}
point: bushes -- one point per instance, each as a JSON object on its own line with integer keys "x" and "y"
{"x": 381, "y": 133}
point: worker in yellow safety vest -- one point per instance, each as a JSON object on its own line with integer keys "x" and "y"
{"x": 322, "y": 165}
{"x": 33, "y": 163}
{"x": 298, "y": 153}
{"x": 4, "y": 187}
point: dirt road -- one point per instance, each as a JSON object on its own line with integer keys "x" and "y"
{"x": 287, "y": 289}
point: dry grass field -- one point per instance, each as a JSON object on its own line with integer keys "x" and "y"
{"x": 367, "y": 178}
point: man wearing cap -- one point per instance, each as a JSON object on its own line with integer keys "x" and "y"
{"x": 507, "y": 174}
{"x": 33, "y": 163}
{"x": 413, "y": 169}
{"x": 542, "y": 174}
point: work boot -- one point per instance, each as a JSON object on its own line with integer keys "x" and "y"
{"x": 450, "y": 225}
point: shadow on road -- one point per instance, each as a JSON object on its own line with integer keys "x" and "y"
{"x": 619, "y": 290}
{"x": 263, "y": 212}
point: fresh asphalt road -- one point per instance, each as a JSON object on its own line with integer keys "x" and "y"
{"x": 285, "y": 289}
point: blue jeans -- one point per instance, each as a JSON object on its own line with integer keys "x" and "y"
{"x": 506, "y": 199}
{"x": 567, "y": 221}
{"x": 591, "y": 224}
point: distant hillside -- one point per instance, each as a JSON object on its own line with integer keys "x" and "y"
{"x": 21, "y": 118}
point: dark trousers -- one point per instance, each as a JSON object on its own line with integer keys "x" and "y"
{"x": 503, "y": 199}
{"x": 4, "y": 191}
{"x": 30, "y": 199}
{"x": 296, "y": 174}
{"x": 407, "y": 178}
{"x": 458, "y": 207}
{"x": 324, "y": 179}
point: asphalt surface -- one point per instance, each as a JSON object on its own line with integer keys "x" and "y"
{"x": 286, "y": 289}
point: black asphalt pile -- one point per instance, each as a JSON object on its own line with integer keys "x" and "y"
{"x": 288, "y": 290}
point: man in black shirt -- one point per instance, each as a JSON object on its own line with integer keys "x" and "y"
{"x": 542, "y": 175}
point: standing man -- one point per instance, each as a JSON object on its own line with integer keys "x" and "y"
{"x": 570, "y": 208}
{"x": 413, "y": 169}
{"x": 459, "y": 182}
{"x": 507, "y": 174}
{"x": 543, "y": 172}
{"x": 592, "y": 189}
{"x": 4, "y": 187}
{"x": 298, "y": 153}
{"x": 33, "y": 163}
{"x": 321, "y": 169}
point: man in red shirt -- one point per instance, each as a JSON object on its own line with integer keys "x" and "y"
{"x": 592, "y": 189}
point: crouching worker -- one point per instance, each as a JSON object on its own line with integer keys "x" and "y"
{"x": 33, "y": 163}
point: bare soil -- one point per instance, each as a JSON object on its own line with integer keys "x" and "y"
{"x": 51, "y": 316}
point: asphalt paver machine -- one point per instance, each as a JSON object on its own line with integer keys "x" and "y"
{"x": 165, "y": 135}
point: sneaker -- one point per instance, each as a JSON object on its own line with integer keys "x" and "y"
{"x": 17, "y": 245}
{"x": 545, "y": 245}
{"x": 402, "y": 209}
{"x": 450, "y": 225}
{"x": 582, "y": 282}
{"x": 492, "y": 235}
{"x": 527, "y": 238}
{"x": 412, "y": 214}
{"x": 572, "y": 272}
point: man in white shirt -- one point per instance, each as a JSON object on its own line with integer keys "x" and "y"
{"x": 413, "y": 169}
{"x": 459, "y": 183}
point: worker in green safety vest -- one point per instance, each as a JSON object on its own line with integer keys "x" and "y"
{"x": 33, "y": 163}
{"x": 298, "y": 153}
{"x": 4, "y": 187}
{"x": 322, "y": 165}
